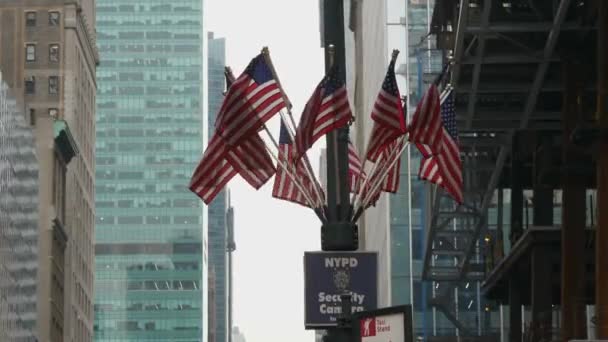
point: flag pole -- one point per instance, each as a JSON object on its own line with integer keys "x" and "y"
{"x": 307, "y": 166}
{"x": 375, "y": 186}
{"x": 383, "y": 169}
{"x": 354, "y": 198}
{"x": 314, "y": 204}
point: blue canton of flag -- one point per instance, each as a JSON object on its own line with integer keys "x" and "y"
{"x": 390, "y": 82}
{"x": 258, "y": 70}
{"x": 251, "y": 100}
{"x": 332, "y": 82}
{"x": 284, "y": 137}
{"x": 448, "y": 115}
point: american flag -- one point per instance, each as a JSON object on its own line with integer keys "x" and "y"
{"x": 213, "y": 171}
{"x": 388, "y": 116}
{"x": 284, "y": 186}
{"x": 252, "y": 161}
{"x": 356, "y": 175}
{"x": 252, "y": 99}
{"x": 425, "y": 127}
{"x": 326, "y": 110}
{"x": 391, "y": 182}
{"x": 221, "y": 161}
{"x": 441, "y": 164}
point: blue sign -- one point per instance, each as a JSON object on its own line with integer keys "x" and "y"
{"x": 327, "y": 275}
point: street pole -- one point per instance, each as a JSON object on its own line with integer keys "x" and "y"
{"x": 338, "y": 234}
{"x": 601, "y": 232}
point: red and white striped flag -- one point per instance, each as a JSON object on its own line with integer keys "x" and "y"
{"x": 356, "y": 175}
{"x": 236, "y": 147}
{"x": 388, "y": 116}
{"x": 327, "y": 109}
{"x": 213, "y": 171}
{"x": 284, "y": 186}
{"x": 250, "y": 157}
{"x": 220, "y": 163}
{"x": 251, "y": 100}
{"x": 441, "y": 162}
{"x": 252, "y": 161}
{"x": 426, "y": 126}
{"x": 391, "y": 182}
{"x": 385, "y": 176}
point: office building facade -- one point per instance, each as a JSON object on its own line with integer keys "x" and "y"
{"x": 18, "y": 223}
{"x": 151, "y": 236}
{"x": 218, "y": 232}
{"x": 49, "y": 59}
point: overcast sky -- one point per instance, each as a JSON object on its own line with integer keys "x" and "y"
{"x": 272, "y": 235}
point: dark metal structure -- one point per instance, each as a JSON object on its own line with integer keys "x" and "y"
{"x": 525, "y": 74}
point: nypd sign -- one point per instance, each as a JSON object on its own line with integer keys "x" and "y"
{"x": 330, "y": 274}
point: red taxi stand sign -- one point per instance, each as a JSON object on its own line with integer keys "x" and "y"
{"x": 392, "y": 324}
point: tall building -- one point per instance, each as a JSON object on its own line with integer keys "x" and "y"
{"x": 151, "y": 236}
{"x": 49, "y": 58}
{"x": 218, "y": 232}
{"x": 237, "y": 335}
{"x": 18, "y": 223}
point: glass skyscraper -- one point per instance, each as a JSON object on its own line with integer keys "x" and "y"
{"x": 218, "y": 232}
{"x": 151, "y": 125}
{"x": 19, "y": 185}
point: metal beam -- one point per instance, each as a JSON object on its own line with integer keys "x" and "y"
{"x": 512, "y": 116}
{"x": 500, "y": 162}
{"x": 459, "y": 45}
{"x": 515, "y": 27}
{"x": 509, "y": 88}
{"x": 433, "y": 203}
{"x": 481, "y": 46}
{"x": 542, "y": 68}
{"x": 490, "y": 126}
{"x": 515, "y": 88}
{"x": 505, "y": 59}
{"x": 530, "y": 104}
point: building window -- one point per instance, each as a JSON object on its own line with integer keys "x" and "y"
{"x": 59, "y": 188}
{"x": 30, "y": 85}
{"x": 54, "y": 53}
{"x": 30, "y": 52}
{"x": 53, "y": 112}
{"x": 32, "y": 117}
{"x": 53, "y": 84}
{"x": 30, "y": 19}
{"x": 54, "y": 18}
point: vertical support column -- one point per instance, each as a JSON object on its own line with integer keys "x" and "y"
{"x": 573, "y": 212}
{"x": 542, "y": 285}
{"x": 601, "y": 234}
{"x": 543, "y": 191}
{"x": 541, "y": 293}
{"x": 515, "y": 309}
{"x": 517, "y": 195}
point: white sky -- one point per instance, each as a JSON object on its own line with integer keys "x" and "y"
{"x": 272, "y": 235}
